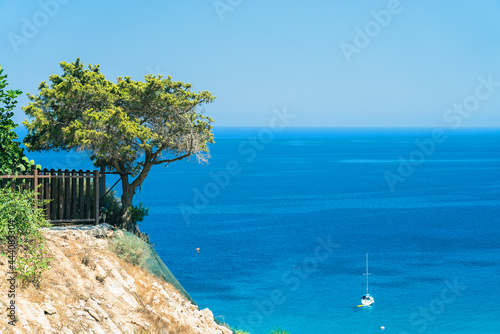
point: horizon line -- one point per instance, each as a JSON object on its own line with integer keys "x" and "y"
{"x": 361, "y": 127}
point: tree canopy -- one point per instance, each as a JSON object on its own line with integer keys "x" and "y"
{"x": 128, "y": 126}
{"x": 12, "y": 157}
{"x": 11, "y": 152}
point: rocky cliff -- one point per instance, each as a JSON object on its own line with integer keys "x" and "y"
{"x": 88, "y": 289}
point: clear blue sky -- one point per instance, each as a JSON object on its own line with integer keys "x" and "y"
{"x": 259, "y": 55}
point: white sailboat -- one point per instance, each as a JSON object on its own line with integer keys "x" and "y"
{"x": 367, "y": 299}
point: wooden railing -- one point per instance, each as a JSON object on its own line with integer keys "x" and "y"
{"x": 74, "y": 195}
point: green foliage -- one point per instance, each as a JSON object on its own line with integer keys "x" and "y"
{"x": 25, "y": 166}
{"x": 111, "y": 205}
{"x": 127, "y": 127}
{"x": 130, "y": 248}
{"x": 12, "y": 157}
{"x": 20, "y": 222}
{"x": 138, "y": 212}
{"x": 117, "y": 123}
{"x": 278, "y": 331}
{"x": 34, "y": 260}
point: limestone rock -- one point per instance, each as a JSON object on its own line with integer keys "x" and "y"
{"x": 207, "y": 314}
{"x": 49, "y": 309}
{"x": 118, "y": 234}
{"x": 93, "y": 313}
{"x": 128, "y": 300}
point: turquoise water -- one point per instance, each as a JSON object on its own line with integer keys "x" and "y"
{"x": 283, "y": 225}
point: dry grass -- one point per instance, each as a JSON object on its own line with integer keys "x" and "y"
{"x": 157, "y": 323}
{"x": 102, "y": 278}
{"x": 36, "y": 294}
{"x": 77, "y": 274}
{"x": 7, "y": 329}
{"x": 87, "y": 258}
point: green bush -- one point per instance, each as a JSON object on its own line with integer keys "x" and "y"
{"x": 12, "y": 159}
{"x": 278, "y": 331}
{"x": 130, "y": 248}
{"x": 20, "y": 235}
{"x": 112, "y": 207}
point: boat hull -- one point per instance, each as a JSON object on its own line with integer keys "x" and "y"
{"x": 367, "y": 300}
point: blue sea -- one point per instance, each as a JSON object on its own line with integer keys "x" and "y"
{"x": 284, "y": 219}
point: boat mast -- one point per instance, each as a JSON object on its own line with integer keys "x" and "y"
{"x": 367, "y": 273}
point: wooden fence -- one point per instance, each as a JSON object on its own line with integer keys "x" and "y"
{"x": 74, "y": 195}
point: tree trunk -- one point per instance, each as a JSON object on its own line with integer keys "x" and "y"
{"x": 126, "y": 215}
{"x": 127, "y": 197}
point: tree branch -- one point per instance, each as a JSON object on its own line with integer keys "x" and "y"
{"x": 167, "y": 161}
{"x": 142, "y": 175}
{"x": 162, "y": 147}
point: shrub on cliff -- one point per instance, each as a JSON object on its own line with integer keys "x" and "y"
{"x": 112, "y": 207}
{"x": 130, "y": 248}
{"x": 279, "y": 331}
{"x": 20, "y": 238}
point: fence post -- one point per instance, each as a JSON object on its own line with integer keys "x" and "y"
{"x": 67, "y": 194}
{"x": 88, "y": 201}
{"x": 97, "y": 202}
{"x": 81, "y": 183}
{"x": 74, "y": 181}
{"x": 60, "y": 194}
{"x": 53, "y": 194}
{"x": 35, "y": 186}
{"x": 102, "y": 180}
{"x": 46, "y": 193}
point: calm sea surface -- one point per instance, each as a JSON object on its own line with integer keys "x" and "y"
{"x": 283, "y": 222}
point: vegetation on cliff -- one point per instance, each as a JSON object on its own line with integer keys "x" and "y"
{"x": 127, "y": 127}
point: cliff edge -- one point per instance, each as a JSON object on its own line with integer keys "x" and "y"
{"x": 89, "y": 289}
